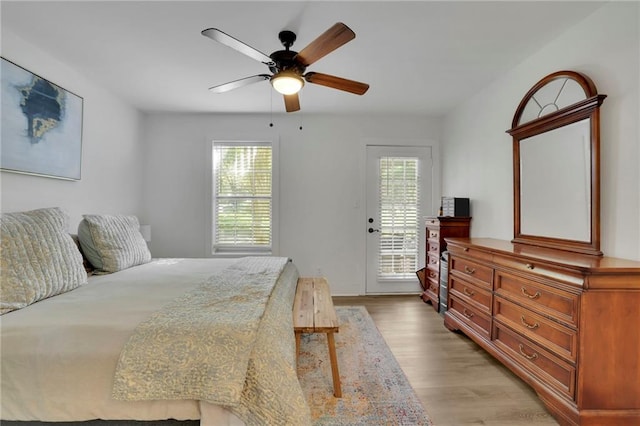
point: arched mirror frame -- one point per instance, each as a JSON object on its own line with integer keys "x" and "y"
{"x": 587, "y": 108}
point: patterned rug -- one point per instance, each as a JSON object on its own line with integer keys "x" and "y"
{"x": 375, "y": 390}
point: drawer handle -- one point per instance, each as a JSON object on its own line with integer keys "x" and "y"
{"x": 467, "y": 313}
{"x": 469, "y": 270}
{"x": 529, "y": 266}
{"x": 529, "y": 295}
{"x": 468, "y": 292}
{"x": 465, "y": 249}
{"x": 527, "y": 356}
{"x": 526, "y": 324}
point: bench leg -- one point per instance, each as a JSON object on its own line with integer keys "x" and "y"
{"x": 337, "y": 391}
{"x": 298, "y": 336}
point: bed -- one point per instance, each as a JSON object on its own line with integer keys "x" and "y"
{"x": 186, "y": 339}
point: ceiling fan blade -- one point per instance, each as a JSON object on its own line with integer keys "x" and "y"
{"x": 239, "y": 83}
{"x": 292, "y": 102}
{"x": 337, "y": 83}
{"x": 326, "y": 43}
{"x": 227, "y": 40}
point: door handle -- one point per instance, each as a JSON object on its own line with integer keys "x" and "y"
{"x": 371, "y": 230}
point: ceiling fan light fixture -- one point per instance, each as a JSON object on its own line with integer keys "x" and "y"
{"x": 287, "y": 82}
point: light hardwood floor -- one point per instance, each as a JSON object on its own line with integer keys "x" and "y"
{"x": 458, "y": 383}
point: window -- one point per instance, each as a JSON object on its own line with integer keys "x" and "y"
{"x": 243, "y": 197}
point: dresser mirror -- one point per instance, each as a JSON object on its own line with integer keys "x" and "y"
{"x": 556, "y": 164}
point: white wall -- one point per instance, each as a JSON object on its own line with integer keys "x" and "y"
{"x": 157, "y": 165}
{"x": 111, "y": 149}
{"x": 477, "y": 155}
{"x": 322, "y": 218}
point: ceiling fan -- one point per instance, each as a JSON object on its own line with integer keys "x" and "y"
{"x": 288, "y": 67}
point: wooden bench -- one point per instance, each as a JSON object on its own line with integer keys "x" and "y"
{"x": 313, "y": 312}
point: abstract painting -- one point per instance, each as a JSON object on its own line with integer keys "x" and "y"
{"x": 41, "y": 126}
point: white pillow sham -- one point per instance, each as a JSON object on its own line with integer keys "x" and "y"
{"x": 112, "y": 242}
{"x": 39, "y": 258}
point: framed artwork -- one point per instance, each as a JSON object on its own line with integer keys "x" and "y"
{"x": 41, "y": 125}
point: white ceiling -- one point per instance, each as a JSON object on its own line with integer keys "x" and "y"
{"x": 420, "y": 57}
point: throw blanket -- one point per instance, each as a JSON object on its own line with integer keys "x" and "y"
{"x": 216, "y": 344}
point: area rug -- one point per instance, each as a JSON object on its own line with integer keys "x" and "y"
{"x": 375, "y": 390}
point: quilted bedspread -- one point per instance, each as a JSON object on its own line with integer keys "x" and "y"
{"x": 227, "y": 341}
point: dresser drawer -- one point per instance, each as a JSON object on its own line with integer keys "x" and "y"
{"x": 434, "y": 285}
{"x": 433, "y": 234}
{"x": 433, "y": 293}
{"x": 479, "y": 298}
{"x": 433, "y": 247}
{"x": 539, "y": 269}
{"x": 432, "y": 275}
{"x": 546, "y": 366}
{"x": 432, "y": 221}
{"x": 471, "y": 252}
{"x": 540, "y": 298}
{"x": 433, "y": 261}
{"x": 479, "y": 274}
{"x": 472, "y": 317}
{"x": 549, "y": 334}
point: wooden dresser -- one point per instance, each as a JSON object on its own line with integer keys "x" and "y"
{"x": 439, "y": 228}
{"x": 566, "y": 323}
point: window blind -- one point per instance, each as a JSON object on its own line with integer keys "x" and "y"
{"x": 242, "y": 196}
{"x": 399, "y": 208}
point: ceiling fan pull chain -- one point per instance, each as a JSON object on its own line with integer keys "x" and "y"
{"x": 271, "y": 106}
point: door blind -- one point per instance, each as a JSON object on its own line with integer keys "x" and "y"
{"x": 399, "y": 207}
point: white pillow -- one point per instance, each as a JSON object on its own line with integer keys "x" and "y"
{"x": 113, "y": 242}
{"x": 39, "y": 258}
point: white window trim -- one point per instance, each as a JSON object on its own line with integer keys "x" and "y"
{"x": 275, "y": 201}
